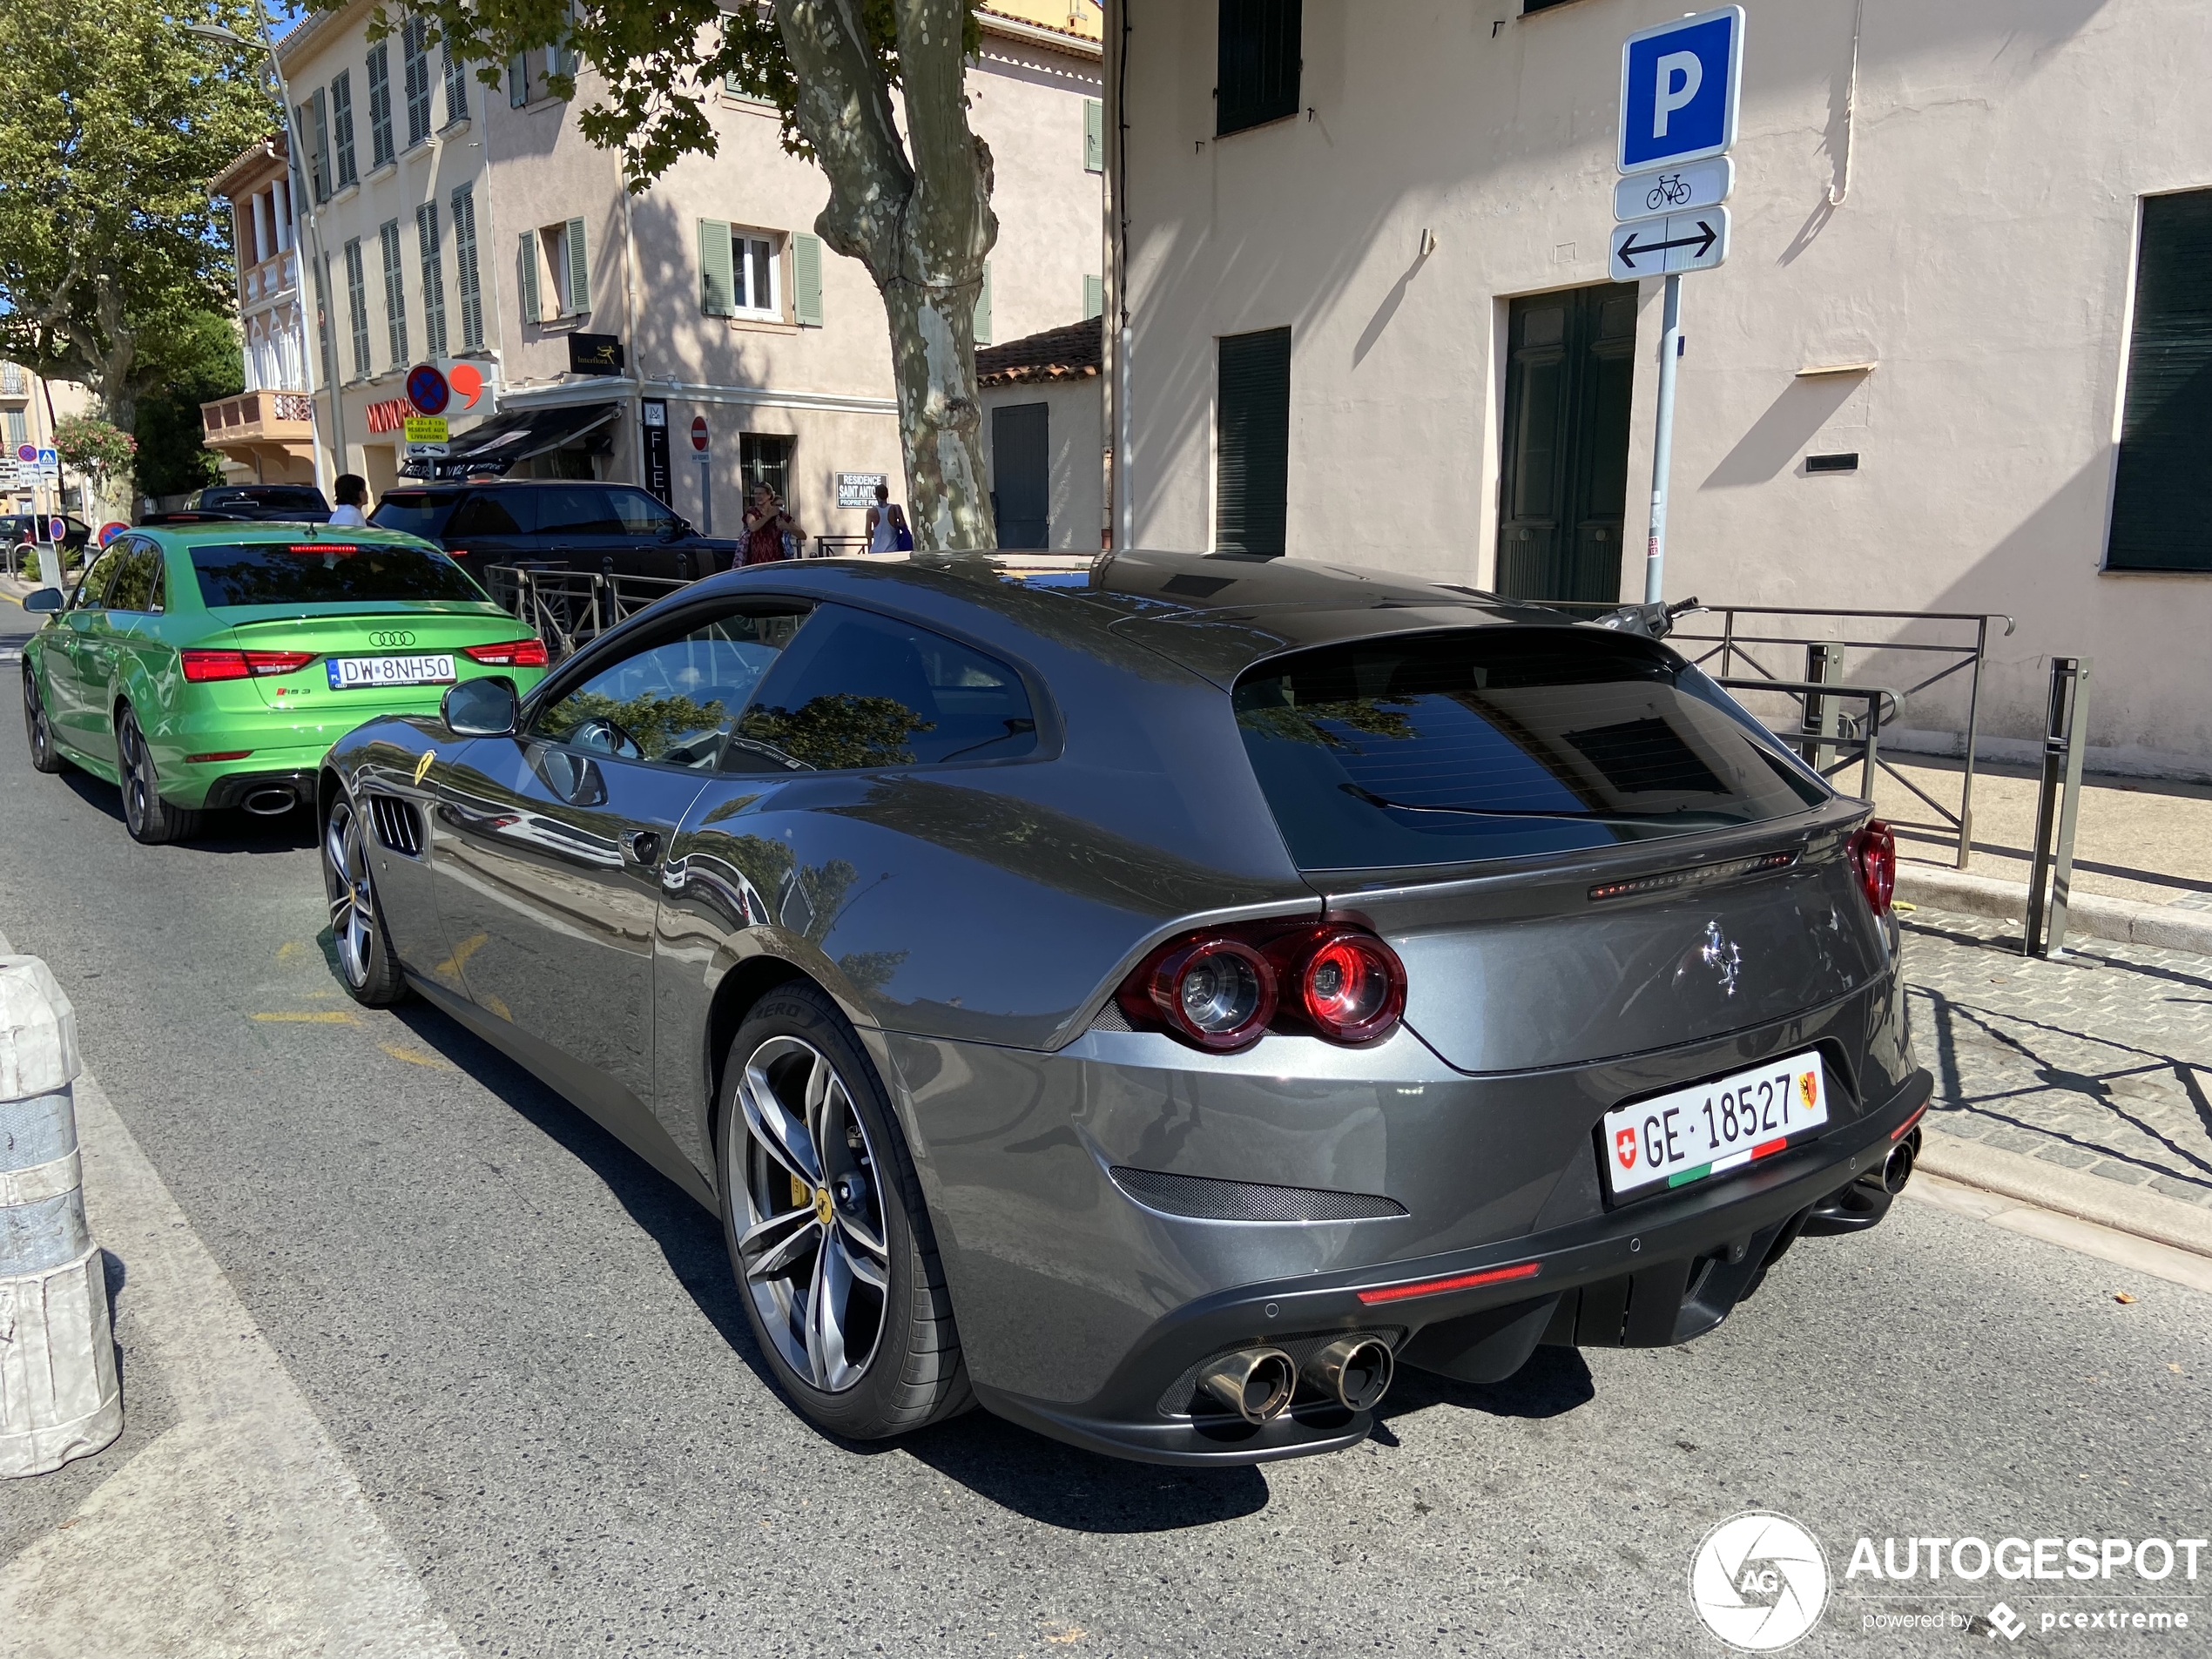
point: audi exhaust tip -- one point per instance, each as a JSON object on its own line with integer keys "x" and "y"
{"x": 1355, "y": 1371}
{"x": 1255, "y": 1383}
{"x": 270, "y": 803}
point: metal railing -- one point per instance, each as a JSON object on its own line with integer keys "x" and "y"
{"x": 1819, "y": 739}
{"x": 570, "y": 609}
{"x": 829, "y": 547}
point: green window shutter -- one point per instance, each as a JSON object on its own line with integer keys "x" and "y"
{"x": 1094, "y": 297}
{"x": 533, "y": 309}
{"x": 1093, "y": 136}
{"x": 983, "y": 308}
{"x": 579, "y": 269}
{"x": 717, "y": 282}
{"x": 2161, "y": 503}
{"x": 1253, "y": 442}
{"x": 806, "y": 281}
{"x": 518, "y": 80}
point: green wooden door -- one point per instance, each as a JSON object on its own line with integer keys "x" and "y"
{"x": 1563, "y": 482}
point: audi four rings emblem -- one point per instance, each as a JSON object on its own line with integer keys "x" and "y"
{"x": 386, "y": 641}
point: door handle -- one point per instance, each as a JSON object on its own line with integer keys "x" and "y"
{"x": 641, "y": 845}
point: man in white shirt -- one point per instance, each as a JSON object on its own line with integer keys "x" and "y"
{"x": 353, "y": 496}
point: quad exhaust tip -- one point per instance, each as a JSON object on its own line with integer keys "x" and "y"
{"x": 271, "y": 803}
{"x": 1355, "y": 1371}
{"x": 1255, "y": 1383}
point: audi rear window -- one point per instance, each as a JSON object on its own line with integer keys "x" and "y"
{"x": 280, "y": 573}
{"x": 1501, "y": 743}
{"x": 414, "y": 512}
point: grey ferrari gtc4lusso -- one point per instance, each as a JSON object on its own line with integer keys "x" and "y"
{"x": 1153, "y": 999}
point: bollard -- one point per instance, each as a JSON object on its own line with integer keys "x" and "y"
{"x": 59, "y": 1397}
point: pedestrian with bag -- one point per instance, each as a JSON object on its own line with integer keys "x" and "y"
{"x": 887, "y": 530}
{"x": 770, "y": 533}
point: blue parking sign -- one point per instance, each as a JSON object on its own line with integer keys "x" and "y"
{"x": 1678, "y": 89}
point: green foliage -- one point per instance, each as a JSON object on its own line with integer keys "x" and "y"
{"x": 655, "y": 724}
{"x": 1304, "y": 722}
{"x": 173, "y": 458}
{"x": 93, "y": 445}
{"x": 838, "y": 732}
{"x": 115, "y": 119}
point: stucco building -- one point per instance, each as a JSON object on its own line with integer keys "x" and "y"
{"x": 30, "y": 406}
{"x": 266, "y": 435}
{"x": 476, "y": 228}
{"x": 1960, "y": 357}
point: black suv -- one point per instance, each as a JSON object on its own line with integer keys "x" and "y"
{"x": 293, "y": 503}
{"x": 616, "y": 528}
{"x": 31, "y": 527}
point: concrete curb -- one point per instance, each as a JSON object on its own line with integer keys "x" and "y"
{"x": 2127, "y": 920}
{"x": 2051, "y": 1186}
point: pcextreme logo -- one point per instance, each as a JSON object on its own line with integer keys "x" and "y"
{"x": 1759, "y": 1581}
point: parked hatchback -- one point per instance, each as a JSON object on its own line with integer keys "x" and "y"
{"x": 615, "y": 529}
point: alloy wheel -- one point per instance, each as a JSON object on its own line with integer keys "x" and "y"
{"x": 353, "y": 893}
{"x": 36, "y": 726}
{"x": 812, "y": 1243}
{"x": 137, "y": 781}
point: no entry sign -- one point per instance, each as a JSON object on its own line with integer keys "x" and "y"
{"x": 699, "y": 433}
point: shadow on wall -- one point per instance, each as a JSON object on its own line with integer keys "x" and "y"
{"x": 1779, "y": 436}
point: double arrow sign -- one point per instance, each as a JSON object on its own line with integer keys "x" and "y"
{"x": 1701, "y": 240}
{"x": 1692, "y": 241}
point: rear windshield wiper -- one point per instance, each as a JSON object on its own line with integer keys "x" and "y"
{"x": 1638, "y": 819}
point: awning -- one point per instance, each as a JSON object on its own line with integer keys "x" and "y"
{"x": 508, "y": 439}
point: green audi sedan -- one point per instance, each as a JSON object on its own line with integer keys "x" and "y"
{"x": 213, "y": 666}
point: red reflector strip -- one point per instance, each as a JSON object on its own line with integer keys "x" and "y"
{"x": 1906, "y": 1128}
{"x": 1769, "y": 1148}
{"x": 1670, "y": 879}
{"x": 323, "y": 547}
{"x": 1461, "y": 1282}
{"x": 227, "y": 754}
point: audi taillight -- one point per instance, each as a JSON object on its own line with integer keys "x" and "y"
{"x": 1223, "y": 988}
{"x": 201, "y": 665}
{"x": 509, "y": 653}
{"x": 1873, "y": 854}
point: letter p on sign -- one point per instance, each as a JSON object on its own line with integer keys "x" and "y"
{"x": 1678, "y": 90}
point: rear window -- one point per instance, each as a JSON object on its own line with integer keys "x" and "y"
{"x": 288, "y": 498}
{"x": 1501, "y": 743}
{"x": 414, "y": 512}
{"x": 278, "y": 573}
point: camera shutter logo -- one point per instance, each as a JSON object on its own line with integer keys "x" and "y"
{"x": 1759, "y": 1581}
{"x": 389, "y": 641}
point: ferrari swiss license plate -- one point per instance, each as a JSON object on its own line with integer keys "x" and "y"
{"x": 354, "y": 674}
{"x": 1674, "y": 1139}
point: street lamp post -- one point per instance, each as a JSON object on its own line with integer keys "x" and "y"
{"x": 304, "y": 203}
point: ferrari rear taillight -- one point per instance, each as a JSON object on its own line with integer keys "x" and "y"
{"x": 201, "y": 665}
{"x": 1873, "y": 854}
{"x": 1221, "y": 989}
{"x": 510, "y": 653}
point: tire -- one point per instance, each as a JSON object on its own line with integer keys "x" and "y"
{"x": 38, "y": 730}
{"x": 366, "y": 968}
{"x": 151, "y": 819}
{"x": 862, "y": 1240}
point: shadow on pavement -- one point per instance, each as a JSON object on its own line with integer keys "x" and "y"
{"x": 223, "y": 832}
{"x": 1552, "y": 1383}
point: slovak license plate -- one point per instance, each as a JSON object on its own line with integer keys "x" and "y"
{"x": 358, "y": 673}
{"x": 1684, "y": 1136}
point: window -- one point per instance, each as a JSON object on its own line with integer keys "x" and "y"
{"x": 1253, "y": 442}
{"x": 1093, "y": 136}
{"x": 12, "y": 379}
{"x": 1501, "y": 743}
{"x": 357, "y": 307}
{"x": 325, "y": 339}
{"x": 434, "y": 280}
{"x": 279, "y": 573}
{"x": 755, "y": 266}
{"x": 387, "y": 237}
{"x": 415, "y": 56}
{"x": 504, "y": 513}
{"x": 983, "y": 308}
{"x": 2162, "y": 504}
{"x": 139, "y": 580}
{"x": 341, "y": 127}
{"x": 577, "y": 509}
{"x": 314, "y": 138}
{"x": 1258, "y": 80}
{"x": 638, "y": 514}
{"x": 741, "y": 274}
{"x": 18, "y": 425}
{"x": 464, "y": 268}
{"x": 1094, "y": 297}
{"x": 553, "y": 259}
{"x": 380, "y": 104}
{"x": 92, "y": 591}
{"x": 857, "y": 690}
{"x": 765, "y": 458}
{"x": 673, "y": 702}
{"x": 456, "y": 88}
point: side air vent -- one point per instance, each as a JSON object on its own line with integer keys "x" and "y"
{"x": 1203, "y": 1199}
{"x": 399, "y": 826}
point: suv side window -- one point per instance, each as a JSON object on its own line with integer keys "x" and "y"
{"x": 641, "y": 514}
{"x": 138, "y": 579}
{"x": 505, "y": 512}
{"x": 859, "y": 691}
{"x": 673, "y": 701}
{"x": 91, "y": 592}
{"x": 577, "y": 509}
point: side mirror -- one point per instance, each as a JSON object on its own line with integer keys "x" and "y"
{"x": 480, "y": 708}
{"x": 43, "y": 599}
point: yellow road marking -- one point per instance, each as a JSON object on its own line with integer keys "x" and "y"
{"x": 290, "y": 951}
{"x": 450, "y": 969}
{"x": 499, "y": 1008}
{"x": 320, "y": 1016}
{"x": 416, "y": 1056}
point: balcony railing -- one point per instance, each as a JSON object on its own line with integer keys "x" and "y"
{"x": 258, "y": 417}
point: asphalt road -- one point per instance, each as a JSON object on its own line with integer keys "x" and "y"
{"x": 529, "y": 1352}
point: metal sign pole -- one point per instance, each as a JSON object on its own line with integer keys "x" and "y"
{"x": 1663, "y": 445}
{"x": 2057, "y": 808}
